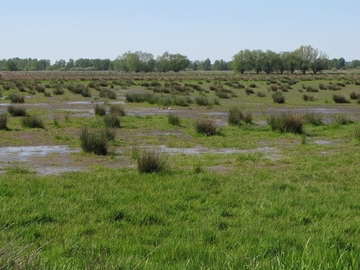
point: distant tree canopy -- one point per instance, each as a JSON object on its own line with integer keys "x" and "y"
{"x": 304, "y": 58}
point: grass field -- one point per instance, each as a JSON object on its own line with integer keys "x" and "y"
{"x": 246, "y": 196}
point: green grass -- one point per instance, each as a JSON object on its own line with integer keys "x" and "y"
{"x": 3, "y": 121}
{"x": 32, "y": 121}
{"x": 243, "y": 219}
{"x": 269, "y": 200}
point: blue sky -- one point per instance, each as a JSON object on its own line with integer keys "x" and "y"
{"x": 199, "y": 29}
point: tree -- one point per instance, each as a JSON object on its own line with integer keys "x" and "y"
{"x": 178, "y": 62}
{"x": 258, "y": 57}
{"x": 163, "y": 62}
{"x": 271, "y": 61}
{"x": 172, "y": 62}
{"x": 220, "y": 65}
{"x": 307, "y": 56}
{"x": 243, "y": 61}
{"x": 11, "y": 65}
{"x": 206, "y": 64}
{"x": 135, "y": 62}
{"x": 354, "y": 64}
{"x": 320, "y": 63}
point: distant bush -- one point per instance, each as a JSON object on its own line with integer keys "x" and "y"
{"x": 100, "y": 109}
{"x": 58, "y": 90}
{"x": 354, "y": 95}
{"x": 141, "y": 97}
{"x": 260, "y": 94}
{"x": 248, "y": 118}
{"x": 203, "y": 101}
{"x": 16, "y": 111}
{"x": 273, "y": 87}
{"x": 105, "y": 92}
{"x": 278, "y": 97}
{"x": 252, "y": 85}
{"x": 150, "y": 160}
{"x": 32, "y": 121}
{"x": 322, "y": 86}
{"x": 311, "y": 89}
{"x": 287, "y": 123}
{"x": 17, "y": 98}
{"x": 94, "y": 141}
{"x": 357, "y": 133}
{"x": 340, "y": 120}
{"x": 308, "y": 98}
{"x": 40, "y": 88}
{"x": 338, "y": 98}
{"x": 206, "y": 126}
{"x": 313, "y": 118}
{"x": 173, "y": 119}
{"x": 117, "y": 109}
{"x": 235, "y": 116}
{"x": 86, "y": 92}
{"x": 249, "y": 91}
{"x": 3, "y": 121}
{"x": 112, "y": 121}
{"x": 333, "y": 87}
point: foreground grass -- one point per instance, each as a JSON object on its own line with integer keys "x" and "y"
{"x": 304, "y": 214}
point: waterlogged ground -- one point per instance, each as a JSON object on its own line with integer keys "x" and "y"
{"x": 56, "y": 148}
{"x": 247, "y": 197}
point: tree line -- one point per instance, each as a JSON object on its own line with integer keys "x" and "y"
{"x": 305, "y": 58}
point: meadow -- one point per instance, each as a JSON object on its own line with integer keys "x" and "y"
{"x": 197, "y": 170}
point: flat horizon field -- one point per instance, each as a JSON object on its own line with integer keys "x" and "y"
{"x": 102, "y": 170}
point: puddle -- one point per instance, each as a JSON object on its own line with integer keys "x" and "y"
{"x": 318, "y": 110}
{"x": 83, "y": 102}
{"x": 24, "y": 153}
{"x": 204, "y": 150}
{"x": 117, "y": 102}
{"x": 159, "y": 133}
{"x": 323, "y": 142}
{"x": 224, "y": 114}
{"x": 27, "y": 154}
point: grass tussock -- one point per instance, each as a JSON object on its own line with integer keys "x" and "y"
{"x": 340, "y": 120}
{"x": 206, "y": 126}
{"x": 357, "y": 134}
{"x": 174, "y": 119}
{"x": 117, "y": 109}
{"x": 3, "y": 121}
{"x": 32, "y": 121}
{"x": 235, "y": 116}
{"x": 338, "y": 98}
{"x": 313, "y": 119}
{"x": 100, "y": 109}
{"x": 112, "y": 121}
{"x": 16, "y": 111}
{"x": 151, "y": 160}
{"x": 287, "y": 122}
{"x": 17, "y": 98}
{"x": 278, "y": 97}
{"x": 94, "y": 141}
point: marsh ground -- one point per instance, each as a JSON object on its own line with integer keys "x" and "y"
{"x": 247, "y": 197}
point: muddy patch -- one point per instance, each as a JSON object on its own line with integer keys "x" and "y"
{"x": 161, "y": 133}
{"x": 54, "y": 159}
{"x": 269, "y": 152}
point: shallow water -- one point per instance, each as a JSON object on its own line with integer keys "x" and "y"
{"x": 27, "y": 154}
{"x": 204, "y": 150}
{"x": 24, "y": 153}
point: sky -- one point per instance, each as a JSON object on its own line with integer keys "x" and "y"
{"x": 198, "y": 29}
